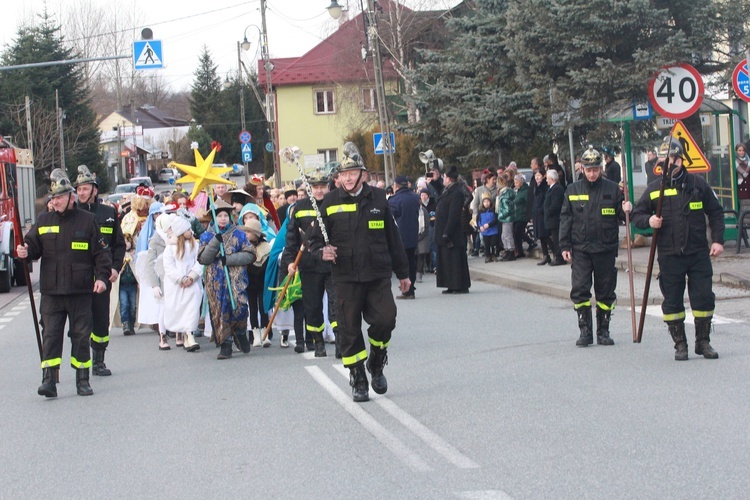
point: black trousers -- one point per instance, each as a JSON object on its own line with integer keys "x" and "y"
{"x": 602, "y": 267}
{"x": 411, "y": 258}
{"x": 55, "y": 310}
{"x": 100, "y": 313}
{"x": 673, "y": 271}
{"x": 519, "y": 234}
{"x": 371, "y": 301}
{"x": 314, "y": 286}
{"x": 554, "y": 235}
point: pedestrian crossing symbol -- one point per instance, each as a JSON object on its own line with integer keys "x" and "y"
{"x": 693, "y": 158}
{"x": 147, "y": 54}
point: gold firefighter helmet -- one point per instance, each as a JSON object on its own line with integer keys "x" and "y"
{"x": 591, "y": 158}
{"x": 85, "y": 177}
{"x": 59, "y": 183}
{"x": 352, "y": 159}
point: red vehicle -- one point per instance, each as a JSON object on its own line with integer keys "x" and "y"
{"x": 13, "y": 176}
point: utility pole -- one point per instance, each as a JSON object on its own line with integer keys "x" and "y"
{"x": 385, "y": 129}
{"x": 270, "y": 97}
{"x": 240, "y": 80}
{"x": 60, "y": 116}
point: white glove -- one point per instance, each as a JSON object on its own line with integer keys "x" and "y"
{"x": 157, "y": 292}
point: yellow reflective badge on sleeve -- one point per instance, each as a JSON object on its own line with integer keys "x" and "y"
{"x": 608, "y": 211}
{"x": 696, "y": 205}
{"x": 107, "y": 230}
{"x": 79, "y": 245}
{"x": 376, "y": 224}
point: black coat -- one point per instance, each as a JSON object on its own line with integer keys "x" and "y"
{"x": 540, "y": 195}
{"x": 552, "y": 206}
{"x": 450, "y": 240}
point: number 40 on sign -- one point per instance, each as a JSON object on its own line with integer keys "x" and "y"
{"x": 676, "y": 91}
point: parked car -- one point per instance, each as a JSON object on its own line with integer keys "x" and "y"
{"x": 237, "y": 169}
{"x": 139, "y": 180}
{"x": 167, "y": 174}
{"x": 126, "y": 188}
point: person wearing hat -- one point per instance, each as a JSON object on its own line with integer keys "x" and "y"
{"x": 405, "y": 206}
{"x": 314, "y": 272}
{"x": 225, "y": 249}
{"x": 452, "y": 263}
{"x": 290, "y": 198}
{"x": 684, "y": 251}
{"x": 111, "y": 239}
{"x": 612, "y": 169}
{"x": 589, "y": 238}
{"x": 68, "y": 242}
{"x": 364, "y": 249}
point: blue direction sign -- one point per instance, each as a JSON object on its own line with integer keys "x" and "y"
{"x": 377, "y": 139}
{"x": 269, "y": 147}
{"x": 741, "y": 81}
{"x": 247, "y": 153}
{"x": 245, "y": 137}
{"x": 147, "y": 54}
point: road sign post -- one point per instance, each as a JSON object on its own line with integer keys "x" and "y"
{"x": 676, "y": 91}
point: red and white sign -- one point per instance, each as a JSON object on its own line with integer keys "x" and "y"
{"x": 676, "y": 91}
{"x": 741, "y": 81}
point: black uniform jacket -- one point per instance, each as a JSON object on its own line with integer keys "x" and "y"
{"x": 552, "y": 206}
{"x": 71, "y": 252}
{"x": 298, "y": 229}
{"x": 362, "y": 228}
{"x": 687, "y": 202}
{"x": 590, "y": 216}
{"x": 109, "y": 231}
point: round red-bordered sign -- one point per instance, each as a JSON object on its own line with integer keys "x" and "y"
{"x": 676, "y": 91}
{"x": 741, "y": 81}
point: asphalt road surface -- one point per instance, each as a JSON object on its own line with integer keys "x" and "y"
{"x": 488, "y": 398}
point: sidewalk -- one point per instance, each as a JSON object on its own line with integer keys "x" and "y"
{"x": 731, "y": 275}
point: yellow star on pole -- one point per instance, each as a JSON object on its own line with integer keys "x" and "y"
{"x": 203, "y": 173}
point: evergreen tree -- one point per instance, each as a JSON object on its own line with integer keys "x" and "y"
{"x": 43, "y": 43}
{"x": 205, "y": 101}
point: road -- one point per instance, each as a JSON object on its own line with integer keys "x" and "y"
{"x": 488, "y": 398}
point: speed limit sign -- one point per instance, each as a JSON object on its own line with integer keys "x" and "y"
{"x": 676, "y": 91}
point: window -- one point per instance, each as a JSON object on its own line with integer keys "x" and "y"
{"x": 324, "y": 102}
{"x": 368, "y": 99}
{"x": 330, "y": 155}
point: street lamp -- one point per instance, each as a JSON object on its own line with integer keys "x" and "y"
{"x": 373, "y": 44}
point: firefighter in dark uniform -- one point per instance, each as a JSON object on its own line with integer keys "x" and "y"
{"x": 365, "y": 249}
{"x": 73, "y": 266}
{"x": 314, "y": 272}
{"x": 111, "y": 240}
{"x": 684, "y": 251}
{"x": 589, "y": 237}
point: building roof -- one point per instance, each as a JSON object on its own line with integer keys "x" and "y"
{"x": 337, "y": 59}
{"x": 149, "y": 116}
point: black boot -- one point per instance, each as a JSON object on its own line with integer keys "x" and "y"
{"x": 127, "y": 328}
{"x": 320, "y": 346}
{"x": 48, "y": 388}
{"x": 703, "y": 339}
{"x": 677, "y": 331}
{"x": 99, "y": 368}
{"x": 375, "y": 364}
{"x": 546, "y": 260}
{"x": 358, "y": 381}
{"x": 82, "y": 382}
{"x": 584, "y": 323}
{"x": 602, "y": 327}
{"x": 226, "y": 350}
{"x": 243, "y": 340}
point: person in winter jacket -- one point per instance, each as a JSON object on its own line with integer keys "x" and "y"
{"x": 506, "y": 210}
{"x": 488, "y": 227}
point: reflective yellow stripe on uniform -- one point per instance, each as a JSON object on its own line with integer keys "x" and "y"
{"x": 350, "y": 360}
{"x": 667, "y": 192}
{"x": 673, "y": 317}
{"x": 334, "y": 324}
{"x": 578, "y": 197}
{"x": 605, "y": 307}
{"x": 107, "y": 230}
{"x": 696, "y": 205}
{"x": 337, "y": 209}
{"x": 376, "y": 224}
{"x": 315, "y": 328}
{"x": 582, "y": 304}
{"x": 377, "y": 343}
{"x": 304, "y": 213}
{"x": 79, "y": 245}
{"x": 51, "y": 363}
{"x": 78, "y": 364}
{"x": 702, "y": 314}
{"x": 99, "y": 340}
{"x": 608, "y": 211}
{"x": 49, "y": 229}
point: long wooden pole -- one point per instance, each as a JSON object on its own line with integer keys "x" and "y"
{"x": 666, "y": 172}
{"x": 282, "y": 293}
{"x": 626, "y": 192}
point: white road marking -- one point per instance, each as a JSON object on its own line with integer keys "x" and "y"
{"x": 656, "y": 312}
{"x": 407, "y": 456}
{"x": 6, "y": 320}
{"x": 430, "y": 438}
{"x": 484, "y": 495}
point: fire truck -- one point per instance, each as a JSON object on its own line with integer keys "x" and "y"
{"x": 17, "y": 208}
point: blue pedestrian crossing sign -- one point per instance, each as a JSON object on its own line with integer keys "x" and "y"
{"x": 147, "y": 54}
{"x": 247, "y": 153}
{"x": 377, "y": 139}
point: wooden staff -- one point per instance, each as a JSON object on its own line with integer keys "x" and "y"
{"x": 283, "y": 291}
{"x": 666, "y": 172}
{"x": 630, "y": 255}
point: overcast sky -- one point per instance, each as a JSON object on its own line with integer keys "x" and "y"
{"x": 294, "y": 27}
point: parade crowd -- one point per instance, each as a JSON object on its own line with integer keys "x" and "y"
{"x": 317, "y": 257}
